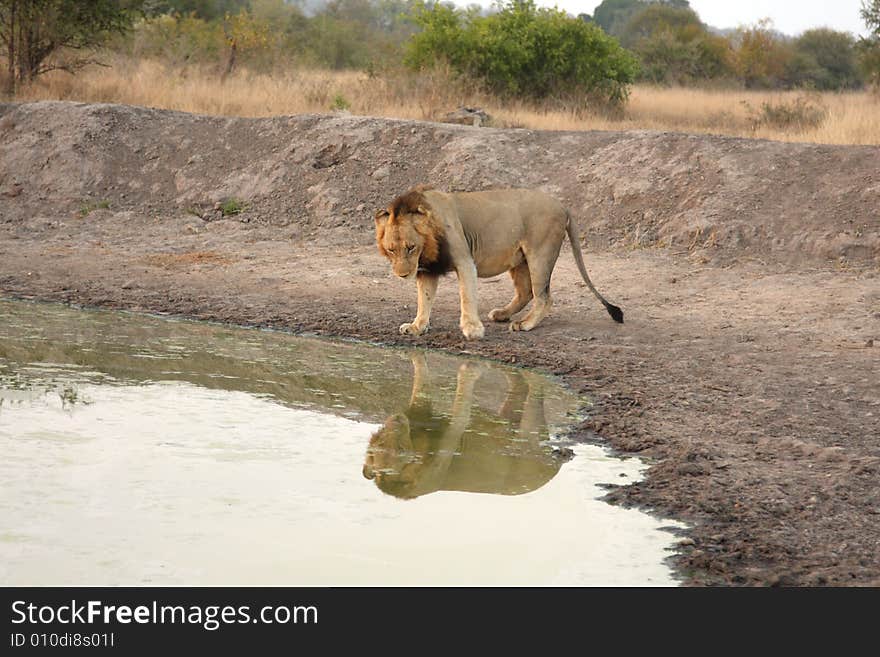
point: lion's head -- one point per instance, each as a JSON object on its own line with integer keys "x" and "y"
{"x": 408, "y": 234}
{"x": 391, "y": 459}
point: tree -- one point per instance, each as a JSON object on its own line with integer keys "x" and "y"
{"x": 525, "y": 52}
{"x": 869, "y": 48}
{"x": 207, "y": 10}
{"x": 824, "y": 59}
{"x": 655, "y": 17}
{"x": 674, "y": 46}
{"x": 613, "y": 15}
{"x": 870, "y": 13}
{"x": 761, "y": 57}
{"x": 33, "y": 31}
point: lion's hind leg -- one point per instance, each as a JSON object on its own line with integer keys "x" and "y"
{"x": 540, "y": 270}
{"x": 522, "y": 285}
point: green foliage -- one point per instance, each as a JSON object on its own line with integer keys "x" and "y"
{"x": 359, "y": 34}
{"x": 87, "y": 208}
{"x": 34, "y": 32}
{"x": 206, "y": 10}
{"x": 340, "y": 103}
{"x": 522, "y": 51}
{"x": 870, "y": 13}
{"x": 869, "y": 60}
{"x": 674, "y": 46}
{"x": 341, "y": 34}
{"x": 868, "y": 49}
{"x": 824, "y": 59}
{"x": 821, "y": 59}
{"x": 655, "y": 17}
{"x": 613, "y": 15}
{"x": 178, "y": 39}
{"x": 231, "y": 206}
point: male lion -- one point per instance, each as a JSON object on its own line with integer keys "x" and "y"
{"x": 426, "y": 233}
{"x": 421, "y": 450}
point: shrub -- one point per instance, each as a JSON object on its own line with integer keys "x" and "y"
{"x": 525, "y": 52}
{"x": 231, "y": 206}
{"x": 803, "y": 113}
{"x": 88, "y": 207}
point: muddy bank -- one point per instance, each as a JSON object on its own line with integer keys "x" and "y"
{"x": 748, "y": 271}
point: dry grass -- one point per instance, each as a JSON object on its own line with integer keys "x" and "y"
{"x": 850, "y": 118}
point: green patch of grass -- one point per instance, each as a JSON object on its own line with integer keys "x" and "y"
{"x": 87, "y": 208}
{"x": 340, "y": 103}
{"x": 232, "y": 206}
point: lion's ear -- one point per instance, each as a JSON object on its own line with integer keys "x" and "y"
{"x": 381, "y": 216}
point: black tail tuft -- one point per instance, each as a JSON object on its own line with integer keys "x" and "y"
{"x": 615, "y": 312}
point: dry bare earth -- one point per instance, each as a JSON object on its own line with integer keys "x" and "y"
{"x": 748, "y": 271}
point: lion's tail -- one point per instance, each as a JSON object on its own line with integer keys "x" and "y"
{"x": 615, "y": 312}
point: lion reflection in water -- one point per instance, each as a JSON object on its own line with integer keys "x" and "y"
{"x": 419, "y": 451}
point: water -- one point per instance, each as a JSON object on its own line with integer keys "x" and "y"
{"x": 139, "y": 450}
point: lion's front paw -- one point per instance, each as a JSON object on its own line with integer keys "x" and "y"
{"x": 473, "y": 330}
{"x": 499, "y": 315}
{"x": 519, "y": 326}
{"x": 411, "y": 328}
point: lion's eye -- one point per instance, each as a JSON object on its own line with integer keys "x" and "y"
{"x": 410, "y": 249}
{"x": 391, "y": 251}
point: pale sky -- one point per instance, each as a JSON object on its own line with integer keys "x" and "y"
{"x": 789, "y": 16}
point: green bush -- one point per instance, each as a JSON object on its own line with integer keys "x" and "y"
{"x": 340, "y": 103}
{"x": 525, "y": 52}
{"x": 231, "y": 206}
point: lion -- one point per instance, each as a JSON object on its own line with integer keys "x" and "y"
{"x": 425, "y": 233}
{"x": 420, "y": 451}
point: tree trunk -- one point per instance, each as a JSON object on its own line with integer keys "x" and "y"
{"x": 10, "y": 49}
{"x": 230, "y": 63}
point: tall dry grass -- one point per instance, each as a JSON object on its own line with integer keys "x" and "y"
{"x": 849, "y": 118}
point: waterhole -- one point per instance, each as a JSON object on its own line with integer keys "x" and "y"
{"x": 142, "y": 450}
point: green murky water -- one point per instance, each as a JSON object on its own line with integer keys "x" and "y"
{"x": 143, "y": 450}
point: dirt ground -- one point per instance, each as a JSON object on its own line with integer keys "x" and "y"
{"x": 749, "y": 273}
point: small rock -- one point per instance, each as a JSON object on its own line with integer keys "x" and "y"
{"x": 869, "y": 342}
{"x": 693, "y": 469}
{"x": 468, "y": 116}
{"x": 382, "y": 172}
